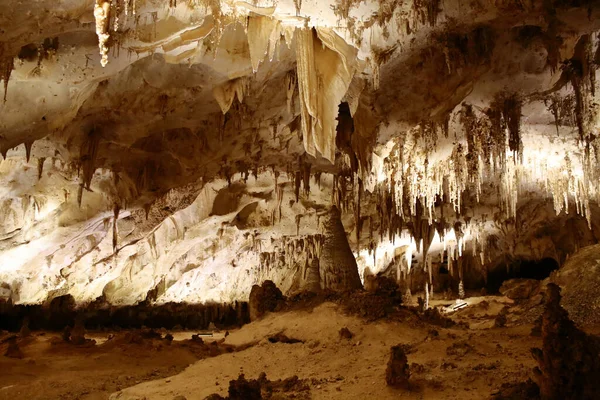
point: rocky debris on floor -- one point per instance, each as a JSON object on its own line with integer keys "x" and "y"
{"x": 281, "y": 338}
{"x": 384, "y": 300}
{"x": 13, "y": 350}
{"x": 397, "y": 373}
{"x": 520, "y": 289}
{"x": 345, "y": 333}
{"x": 77, "y": 336}
{"x": 384, "y": 286}
{"x": 264, "y": 298}
{"x": 500, "y": 320}
{"x": 149, "y": 333}
{"x": 459, "y": 349}
{"x": 569, "y": 361}
{"x": 262, "y": 388}
{"x": 517, "y": 391}
{"x": 536, "y": 330}
{"x": 434, "y": 317}
{"x": 197, "y": 339}
{"x": 25, "y": 331}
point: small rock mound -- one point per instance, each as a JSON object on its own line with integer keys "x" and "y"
{"x": 346, "y": 334}
{"x": 520, "y": 289}
{"x": 265, "y": 298}
{"x": 13, "y": 350}
{"x": 459, "y": 349}
{"x": 397, "y": 373}
{"x": 519, "y": 391}
{"x": 281, "y": 338}
{"x": 242, "y": 389}
{"x": 262, "y": 388}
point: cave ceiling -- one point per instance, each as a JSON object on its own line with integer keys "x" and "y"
{"x": 171, "y": 146}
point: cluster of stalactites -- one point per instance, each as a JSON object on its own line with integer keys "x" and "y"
{"x": 563, "y": 184}
{"x": 291, "y": 252}
{"x": 412, "y": 181}
{"x": 493, "y": 154}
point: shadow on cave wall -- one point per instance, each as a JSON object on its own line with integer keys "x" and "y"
{"x": 525, "y": 269}
{"x": 62, "y": 311}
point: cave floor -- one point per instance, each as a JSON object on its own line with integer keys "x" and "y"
{"x": 445, "y": 363}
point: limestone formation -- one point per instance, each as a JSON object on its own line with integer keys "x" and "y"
{"x": 569, "y": 361}
{"x": 397, "y": 373}
{"x": 520, "y": 289}
{"x": 13, "y": 350}
{"x": 264, "y": 298}
{"x": 338, "y": 268}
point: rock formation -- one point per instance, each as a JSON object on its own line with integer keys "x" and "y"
{"x": 338, "y": 269}
{"x": 397, "y": 372}
{"x": 569, "y": 361}
{"x": 264, "y": 298}
{"x": 160, "y": 152}
{"x": 13, "y": 350}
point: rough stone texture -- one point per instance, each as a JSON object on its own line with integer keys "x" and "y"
{"x": 520, "y": 289}
{"x": 397, "y": 372}
{"x": 339, "y": 271}
{"x": 579, "y": 279}
{"x": 569, "y": 361}
{"x": 164, "y": 174}
{"x": 13, "y": 350}
{"x": 263, "y": 299}
{"x": 253, "y": 389}
{"x": 313, "y": 278}
{"x": 346, "y": 334}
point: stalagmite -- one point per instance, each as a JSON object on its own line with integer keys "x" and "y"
{"x": 337, "y": 263}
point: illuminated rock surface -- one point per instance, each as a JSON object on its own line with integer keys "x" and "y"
{"x": 193, "y": 149}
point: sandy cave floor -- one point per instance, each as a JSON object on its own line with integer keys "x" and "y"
{"x": 442, "y": 366}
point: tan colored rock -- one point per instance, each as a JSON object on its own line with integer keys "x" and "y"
{"x": 337, "y": 263}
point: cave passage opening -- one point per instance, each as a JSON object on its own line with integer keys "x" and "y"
{"x": 525, "y": 269}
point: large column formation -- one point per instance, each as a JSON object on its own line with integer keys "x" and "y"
{"x": 338, "y": 268}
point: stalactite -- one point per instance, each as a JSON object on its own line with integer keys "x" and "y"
{"x": 28, "y": 146}
{"x": 88, "y": 155}
{"x": 102, "y": 16}
{"x": 116, "y": 210}
{"x": 511, "y": 112}
{"x": 325, "y": 67}
{"x": 427, "y": 11}
{"x": 116, "y": 5}
{"x": 40, "y": 166}
{"x": 298, "y": 5}
{"x": 79, "y": 194}
{"x": 357, "y": 219}
{"x": 297, "y": 183}
{"x": 305, "y": 169}
{"x": 6, "y": 66}
{"x": 298, "y": 218}
{"x": 225, "y": 93}
{"x": 291, "y": 82}
{"x": 261, "y": 32}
